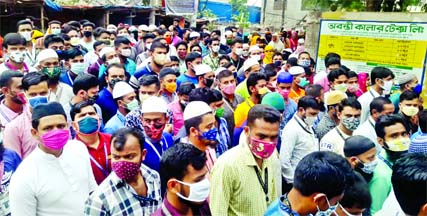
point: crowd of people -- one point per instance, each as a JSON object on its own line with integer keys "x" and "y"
{"x": 156, "y": 120}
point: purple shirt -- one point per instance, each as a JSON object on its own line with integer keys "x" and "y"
{"x": 167, "y": 209}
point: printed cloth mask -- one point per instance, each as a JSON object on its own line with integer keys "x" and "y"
{"x": 199, "y": 191}
{"x": 351, "y": 123}
{"x": 368, "y": 168}
{"x": 125, "y": 170}
{"x": 327, "y": 212}
{"x": 215, "y": 49}
{"x": 170, "y": 87}
{"x": 341, "y": 87}
{"x": 398, "y": 145}
{"x": 52, "y": 72}
{"x": 55, "y": 139}
{"x": 262, "y": 149}
{"x": 17, "y": 56}
{"x": 114, "y": 60}
{"x": 26, "y": 35}
{"x": 160, "y": 59}
{"x": 154, "y": 131}
{"x": 229, "y": 89}
{"x": 410, "y": 110}
{"x": 78, "y": 68}
{"x": 34, "y": 101}
{"x": 304, "y": 63}
{"x": 353, "y": 87}
{"x": 134, "y": 104}
{"x": 19, "y": 98}
{"x": 126, "y": 52}
{"x": 303, "y": 82}
{"x": 284, "y": 93}
{"x": 210, "y": 135}
{"x": 219, "y": 112}
{"x": 88, "y": 125}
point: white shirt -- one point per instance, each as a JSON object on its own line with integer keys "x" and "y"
{"x": 367, "y": 129}
{"x": 90, "y": 58}
{"x": 63, "y": 95}
{"x": 391, "y": 206}
{"x": 334, "y": 141}
{"x": 365, "y": 100}
{"x": 45, "y": 185}
{"x": 298, "y": 140}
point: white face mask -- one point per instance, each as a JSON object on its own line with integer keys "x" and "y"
{"x": 215, "y": 49}
{"x": 245, "y": 53}
{"x": 114, "y": 60}
{"x": 17, "y": 56}
{"x": 74, "y": 41}
{"x": 256, "y": 57}
{"x": 78, "y": 68}
{"x": 309, "y": 120}
{"x": 239, "y": 51}
{"x": 387, "y": 86}
{"x": 199, "y": 191}
{"x": 148, "y": 46}
{"x": 348, "y": 213}
{"x": 126, "y": 52}
{"x": 26, "y": 35}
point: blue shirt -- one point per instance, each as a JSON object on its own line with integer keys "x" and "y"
{"x": 277, "y": 208}
{"x": 11, "y": 161}
{"x": 66, "y": 78}
{"x": 147, "y": 70}
{"x": 130, "y": 67}
{"x": 290, "y": 110}
{"x": 116, "y": 122}
{"x": 185, "y": 78}
{"x": 107, "y": 104}
{"x": 155, "y": 150}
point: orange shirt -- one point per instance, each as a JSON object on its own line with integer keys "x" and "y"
{"x": 296, "y": 95}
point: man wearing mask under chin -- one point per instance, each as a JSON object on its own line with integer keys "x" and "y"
{"x": 392, "y": 135}
{"x": 154, "y": 118}
{"x": 184, "y": 172}
{"x": 247, "y": 169}
{"x": 132, "y": 188}
{"x": 299, "y": 82}
{"x": 58, "y": 165}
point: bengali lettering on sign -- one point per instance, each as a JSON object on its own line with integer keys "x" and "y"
{"x": 400, "y": 46}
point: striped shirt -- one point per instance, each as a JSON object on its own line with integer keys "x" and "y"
{"x": 116, "y": 197}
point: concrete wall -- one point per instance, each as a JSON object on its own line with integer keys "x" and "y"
{"x": 293, "y": 14}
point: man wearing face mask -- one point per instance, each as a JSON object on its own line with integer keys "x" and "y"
{"x": 361, "y": 153}
{"x": 382, "y": 81}
{"x": 58, "y": 165}
{"x": 108, "y": 56}
{"x": 250, "y": 66}
{"x": 25, "y": 29}
{"x": 86, "y": 123}
{"x": 319, "y": 184}
{"x": 409, "y": 108}
{"x": 213, "y": 58}
{"x": 114, "y": 74}
{"x": 168, "y": 85}
{"x": 125, "y": 98}
{"x": 17, "y": 134}
{"x": 392, "y": 134}
{"x": 236, "y": 53}
{"x": 247, "y": 169}
{"x": 283, "y": 87}
{"x": 177, "y": 107}
{"x": 299, "y": 82}
{"x": 205, "y": 76}
{"x": 75, "y": 63}
{"x": 154, "y": 118}
{"x": 304, "y": 59}
{"x": 298, "y": 138}
{"x": 87, "y": 40}
{"x": 184, "y": 175}
{"x": 123, "y": 50}
{"x": 407, "y": 82}
{"x": 132, "y": 187}
{"x": 14, "y": 99}
{"x": 332, "y": 62}
{"x": 337, "y": 82}
{"x": 256, "y": 84}
{"x": 191, "y": 60}
{"x": 330, "y": 120}
{"x": 14, "y": 47}
{"x": 349, "y": 117}
{"x": 147, "y": 40}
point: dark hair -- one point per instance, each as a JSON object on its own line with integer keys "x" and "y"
{"x": 74, "y": 23}
{"x": 148, "y": 80}
{"x": 185, "y": 88}
{"x": 408, "y": 95}
{"x": 218, "y": 32}
{"x": 13, "y": 39}
{"x": 97, "y": 43}
{"x": 195, "y": 45}
{"x": 77, "y": 108}
{"x": 65, "y": 37}
{"x": 237, "y": 40}
{"x": 99, "y": 31}
{"x": 334, "y": 74}
{"x": 264, "y": 112}
{"x": 72, "y": 53}
{"x": 192, "y": 56}
{"x": 157, "y": 45}
{"x": 304, "y": 52}
{"x": 119, "y": 138}
{"x": 331, "y": 55}
{"x": 23, "y": 22}
{"x": 167, "y": 71}
{"x": 6, "y": 77}
{"x": 386, "y": 121}
{"x": 85, "y": 82}
{"x": 115, "y": 65}
{"x": 323, "y": 172}
{"x": 409, "y": 182}
{"x": 308, "y": 102}
{"x": 33, "y": 78}
{"x": 332, "y": 60}
{"x": 223, "y": 74}
{"x": 357, "y": 195}
{"x": 378, "y": 104}
{"x": 351, "y": 74}
{"x": 183, "y": 43}
{"x": 52, "y": 39}
{"x": 193, "y": 122}
{"x": 277, "y": 54}
{"x": 147, "y": 36}
{"x": 176, "y": 159}
{"x": 314, "y": 90}
{"x": 269, "y": 71}
{"x": 380, "y": 73}
{"x": 206, "y": 95}
{"x": 87, "y": 23}
{"x": 121, "y": 40}
{"x": 226, "y": 57}
{"x": 253, "y": 79}
{"x": 349, "y": 102}
{"x": 422, "y": 120}
{"x": 174, "y": 58}
{"x": 54, "y": 22}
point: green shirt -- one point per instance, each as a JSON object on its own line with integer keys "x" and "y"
{"x": 242, "y": 90}
{"x": 380, "y": 184}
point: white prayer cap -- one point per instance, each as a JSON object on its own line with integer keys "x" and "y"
{"x": 228, "y": 33}
{"x": 202, "y": 69}
{"x": 106, "y": 50}
{"x": 152, "y": 27}
{"x": 194, "y": 34}
{"x": 295, "y": 70}
{"x": 46, "y": 54}
{"x": 196, "y": 108}
{"x": 249, "y": 63}
{"x": 154, "y": 104}
{"x": 121, "y": 89}
{"x": 218, "y": 70}
{"x": 143, "y": 28}
{"x": 245, "y": 45}
{"x": 254, "y": 48}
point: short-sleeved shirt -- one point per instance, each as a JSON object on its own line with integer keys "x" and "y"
{"x": 185, "y": 78}
{"x": 334, "y": 141}
{"x": 296, "y": 95}
{"x": 107, "y": 104}
{"x": 116, "y": 122}
{"x": 241, "y": 112}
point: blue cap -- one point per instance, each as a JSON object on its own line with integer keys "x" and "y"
{"x": 284, "y": 77}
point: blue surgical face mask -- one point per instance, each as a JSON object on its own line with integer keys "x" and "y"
{"x": 327, "y": 212}
{"x": 210, "y": 135}
{"x": 88, "y": 125}
{"x": 34, "y": 101}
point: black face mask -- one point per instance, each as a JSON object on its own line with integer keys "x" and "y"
{"x": 87, "y": 33}
{"x": 93, "y": 98}
{"x": 208, "y": 82}
{"x": 113, "y": 82}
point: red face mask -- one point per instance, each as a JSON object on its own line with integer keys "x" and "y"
{"x": 154, "y": 131}
{"x": 168, "y": 40}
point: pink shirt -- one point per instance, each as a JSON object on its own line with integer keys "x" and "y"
{"x": 324, "y": 82}
{"x": 17, "y": 135}
{"x": 178, "y": 116}
{"x": 6, "y": 114}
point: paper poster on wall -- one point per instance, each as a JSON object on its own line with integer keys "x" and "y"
{"x": 363, "y": 45}
{"x": 180, "y": 7}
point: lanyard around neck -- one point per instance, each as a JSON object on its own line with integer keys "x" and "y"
{"x": 264, "y": 184}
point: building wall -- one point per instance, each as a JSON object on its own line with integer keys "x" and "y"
{"x": 273, "y": 13}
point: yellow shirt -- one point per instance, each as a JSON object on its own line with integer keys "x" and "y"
{"x": 235, "y": 188}
{"x": 241, "y": 112}
{"x": 296, "y": 95}
{"x": 242, "y": 90}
